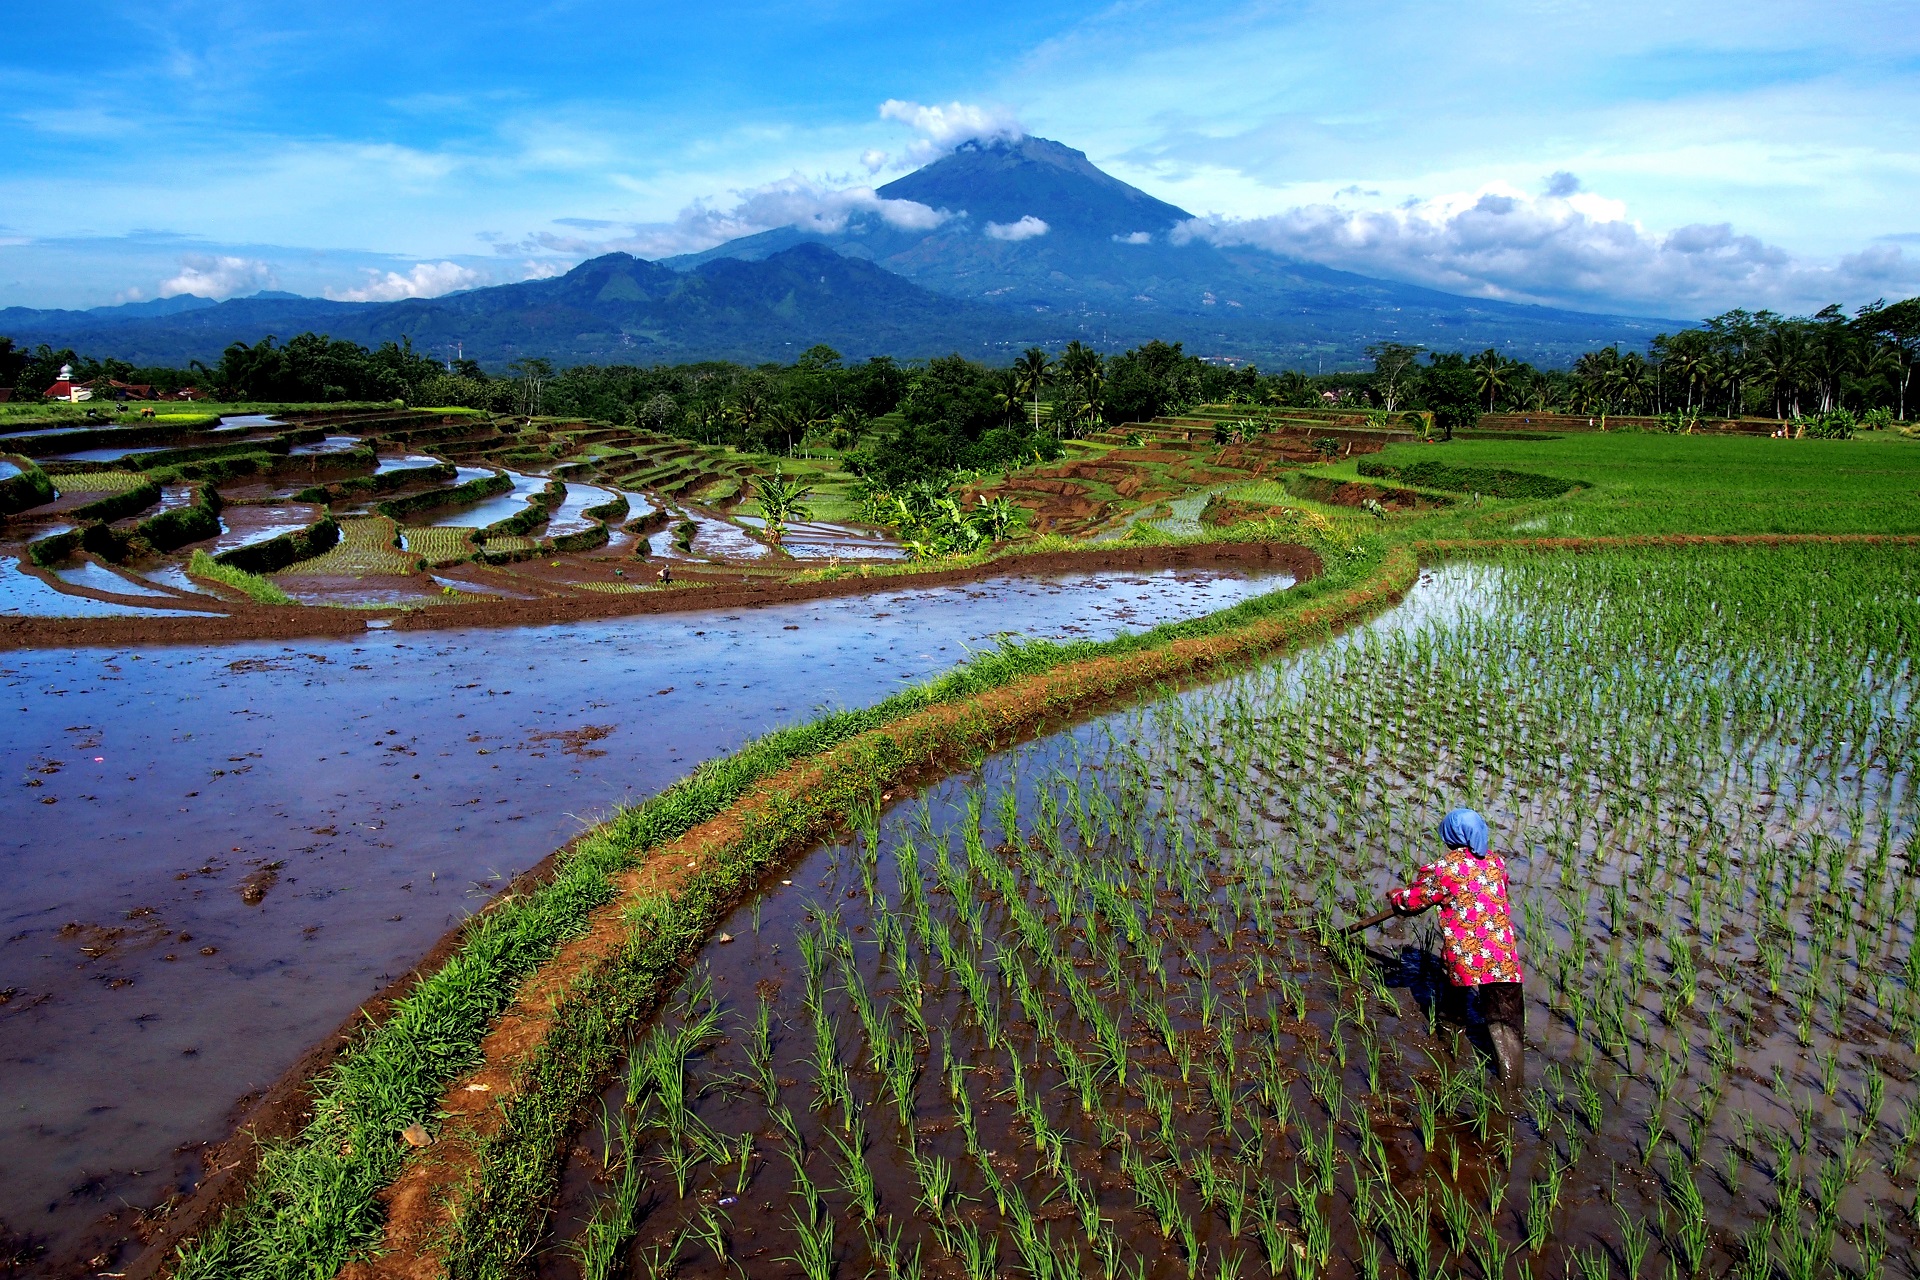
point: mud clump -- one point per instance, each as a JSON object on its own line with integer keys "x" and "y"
{"x": 576, "y": 742}
{"x": 254, "y": 886}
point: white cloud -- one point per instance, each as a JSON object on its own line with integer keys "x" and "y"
{"x": 542, "y": 269}
{"x": 791, "y": 202}
{"x": 1136, "y": 237}
{"x": 210, "y": 276}
{"x": 942, "y": 128}
{"x": 1025, "y": 229}
{"x": 426, "y": 280}
{"x": 1565, "y": 247}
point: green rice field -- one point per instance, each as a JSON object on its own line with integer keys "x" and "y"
{"x": 1087, "y": 1011}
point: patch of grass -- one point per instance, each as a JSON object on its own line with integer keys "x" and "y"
{"x": 254, "y": 587}
{"x": 440, "y": 544}
{"x": 1706, "y": 484}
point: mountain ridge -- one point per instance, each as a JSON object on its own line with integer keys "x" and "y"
{"x": 1010, "y": 244}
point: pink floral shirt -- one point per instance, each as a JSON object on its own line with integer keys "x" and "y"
{"x": 1472, "y": 896}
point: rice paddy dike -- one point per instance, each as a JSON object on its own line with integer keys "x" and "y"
{"x": 1628, "y": 622}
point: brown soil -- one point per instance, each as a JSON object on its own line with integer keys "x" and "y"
{"x": 715, "y": 588}
{"x": 423, "y": 1204}
{"x": 1354, "y": 494}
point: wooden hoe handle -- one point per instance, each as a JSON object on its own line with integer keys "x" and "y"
{"x": 1371, "y": 920}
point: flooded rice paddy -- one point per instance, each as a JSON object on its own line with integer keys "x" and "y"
{"x": 1087, "y": 1012}
{"x": 488, "y": 510}
{"x": 215, "y": 852}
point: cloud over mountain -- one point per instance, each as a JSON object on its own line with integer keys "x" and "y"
{"x": 1563, "y": 246}
{"x": 218, "y": 276}
{"x": 426, "y": 280}
{"x": 942, "y": 128}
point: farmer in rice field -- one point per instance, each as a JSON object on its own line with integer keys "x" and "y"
{"x": 1469, "y": 886}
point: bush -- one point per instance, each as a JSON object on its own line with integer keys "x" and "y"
{"x": 1878, "y": 418}
{"x": 28, "y": 489}
{"x": 1835, "y": 425}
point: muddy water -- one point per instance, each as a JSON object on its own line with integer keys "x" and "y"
{"x": 213, "y": 853}
{"x": 569, "y": 516}
{"x": 24, "y": 596}
{"x": 502, "y": 507}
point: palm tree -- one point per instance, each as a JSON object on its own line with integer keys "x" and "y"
{"x": 1632, "y": 380}
{"x": 781, "y": 500}
{"x": 1784, "y": 361}
{"x": 1032, "y": 373}
{"x": 1491, "y": 374}
{"x": 1007, "y": 395}
{"x": 791, "y": 420}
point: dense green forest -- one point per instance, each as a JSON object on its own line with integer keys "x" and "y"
{"x": 895, "y": 421}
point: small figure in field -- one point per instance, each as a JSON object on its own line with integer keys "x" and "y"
{"x": 666, "y": 576}
{"x": 1482, "y": 954}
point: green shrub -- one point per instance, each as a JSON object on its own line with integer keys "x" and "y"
{"x": 28, "y": 489}
{"x": 1837, "y": 424}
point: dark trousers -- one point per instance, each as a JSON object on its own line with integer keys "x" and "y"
{"x": 1486, "y": 1004}
{"x": 1500, "y": 1002}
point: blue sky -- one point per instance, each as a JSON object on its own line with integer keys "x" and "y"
{"x": 1666, "y": 159}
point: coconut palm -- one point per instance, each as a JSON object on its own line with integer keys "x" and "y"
{"x": 1492, "y": 374}
{"x": 1032, "y": 371}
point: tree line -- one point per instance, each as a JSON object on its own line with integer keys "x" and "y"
{"x": 898, "y": 421}
{"x": 1740, "y": 363}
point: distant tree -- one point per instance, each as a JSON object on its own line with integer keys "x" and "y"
{"x": 819, "y": 358}
{"x": 659, "y": 413}
{"x": 1032, "y": 370}
{"x": 1393, "y": 364}
{"x": 1898, "y": 328}
{"x": 1447, "y": 390}
{"x": 533, "y": 374}
{"x": 1492, "y": 374}
{"x": 12, "y": 363}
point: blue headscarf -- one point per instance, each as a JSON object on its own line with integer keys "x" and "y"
{"x": 1465, "y": 829}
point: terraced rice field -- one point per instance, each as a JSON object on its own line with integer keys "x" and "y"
{"x": 1088, "y": 1012}
{"x": 366, "y": 546}
{"x": 440, "y": 544}
{"x": 96, "y": 481}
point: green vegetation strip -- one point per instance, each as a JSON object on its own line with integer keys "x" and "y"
{"x": 96, "y": 481}
{"x": 1494, "y": 482}
{"x": 255, "y": 588}
{"x": 28, "y": 489}
{"x": 313, "y": 1204}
